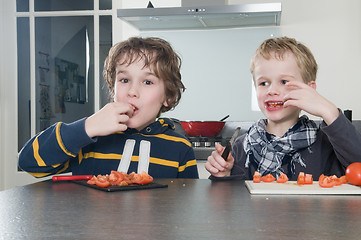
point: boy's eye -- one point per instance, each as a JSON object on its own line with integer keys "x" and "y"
{"x": 147, "y": 82}
{"x": 284, "y": 82}
{"x": 124, "y": 80}
{"x": 263, "y": 83}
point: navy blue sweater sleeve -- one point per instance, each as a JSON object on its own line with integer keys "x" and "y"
{"x": 188, "y": 167}
{"x": 50, "y": 151}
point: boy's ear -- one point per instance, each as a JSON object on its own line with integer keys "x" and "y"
{"x": 165, "y": 103}
{"x": 312, "y": 84}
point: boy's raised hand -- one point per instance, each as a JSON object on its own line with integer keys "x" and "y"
{"x": 305, "y": 97}
{"x": 110, "y": 119}
{"x": 216, "y": 165}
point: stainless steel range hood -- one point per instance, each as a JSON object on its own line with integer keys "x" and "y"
{"x": 203, "y": 17}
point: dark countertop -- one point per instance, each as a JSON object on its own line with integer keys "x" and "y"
{"x": 187, "y": 209}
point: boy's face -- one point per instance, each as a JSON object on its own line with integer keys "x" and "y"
{"x": 138, "y": 86}
{"x": 270, "y": 77}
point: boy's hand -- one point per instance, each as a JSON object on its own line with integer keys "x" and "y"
{"x": 110, "y": 119}
{"x": 216, "y": 165}
{"x": 305, "y": 97}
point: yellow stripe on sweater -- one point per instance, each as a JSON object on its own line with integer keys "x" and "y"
{"x": 102, "y": 155}
{"x": 171, "y": 138}
{"x": 188, "y": 164}
{"x": 38, "y": 159}
{"x": 39, "y": 175}
{"x": 60, "y": 141}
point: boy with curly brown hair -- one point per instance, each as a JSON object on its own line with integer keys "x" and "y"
{"x": 143, "y": 76}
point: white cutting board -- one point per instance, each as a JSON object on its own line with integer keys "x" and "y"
{"x": 291, "y": 187}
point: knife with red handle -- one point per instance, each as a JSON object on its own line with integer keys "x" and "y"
{"x": 72, "y": 177}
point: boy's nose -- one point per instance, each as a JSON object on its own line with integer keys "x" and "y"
{"x": 133, "y": 90}
{"x": 272, "y": 90}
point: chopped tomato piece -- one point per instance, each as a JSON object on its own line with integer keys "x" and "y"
{"x": 147, "y": 178}
{"x": 343, "y": 179}
{"x": 268, "y": 178}
{"x": 102, "y": 181}
{"x": 301, "y": 178}
{"x": 326, "y": 182}
{"x": 256, "y": 177}
{"x": 282, "y": 178}
{"x": 92, "y": 180}
{"x": 115, "y": 177}
{"x": 308, "y": 179}
{"x": 143, "y": 178}
{"x": 336, "y": 180}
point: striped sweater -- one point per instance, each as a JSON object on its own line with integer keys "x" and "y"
{"x": 157, "y": 149}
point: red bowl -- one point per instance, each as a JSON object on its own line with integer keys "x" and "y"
{"x": 202, "y": 128}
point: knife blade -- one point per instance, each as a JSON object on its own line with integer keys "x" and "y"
{"x": 72, "y": 177}
{"x": 230, "y": 143}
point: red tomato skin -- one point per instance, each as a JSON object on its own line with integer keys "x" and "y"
{"x": 282, "y": 178}
{"x": 103, "y": 184}
{"x": 326, "y": 182}
{"x": 301, "y": 178}
{"x": 256, "y": 177}
{"x": 268, "y": 178}
{"x": 92, "y": 180}
{"x": 343, "y": 179}
{"x": 353, "y": 173}
{"x": 308, "y": 179}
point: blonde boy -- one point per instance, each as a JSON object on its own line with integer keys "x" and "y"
{"x": 284, "y": 73}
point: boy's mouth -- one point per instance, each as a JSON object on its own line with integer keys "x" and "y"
{"x": 135, "y": 109}
{"x": 274, "y": 105}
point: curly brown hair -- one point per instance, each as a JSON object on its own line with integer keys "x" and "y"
{"x": 279, "y": 46}
{"x": 158, "y": 55}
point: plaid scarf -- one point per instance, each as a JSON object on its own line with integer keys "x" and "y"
{"x": 267, "y": 151}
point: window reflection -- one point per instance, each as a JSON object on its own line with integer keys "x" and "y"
{"x": 105, "y": 4}
{"x": 64, "y": 52}
{"x": 63, "y": 5}
{"x": 23, "y": 45}
{"x": 22, "y": 5}
{"x": 105, "y": 40}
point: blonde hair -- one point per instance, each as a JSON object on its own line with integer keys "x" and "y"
{"x": 157, "y": 54}
{"x": 278, "y": 47}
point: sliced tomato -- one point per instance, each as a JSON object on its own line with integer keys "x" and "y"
{"x": 268, "y": 178}
{"x": 343, "y": 179}
{"x": 115, "y": 177}
{"x": 326, "y": 182}
{"x": 321, "y": 177}
{"x": 142, "y": 178}
{"x": 336, "y": 180}
{"x": 301, "y": 178}
{"x": 146, "y": 178}
{"x": 102, "y": 181}
{"x": 92, "y": 180}
{"x": 256, "y": 177}
{"x": 308, "y": 179}
{"x": 282, "y": 178}
{"x": 137, "y": 178}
